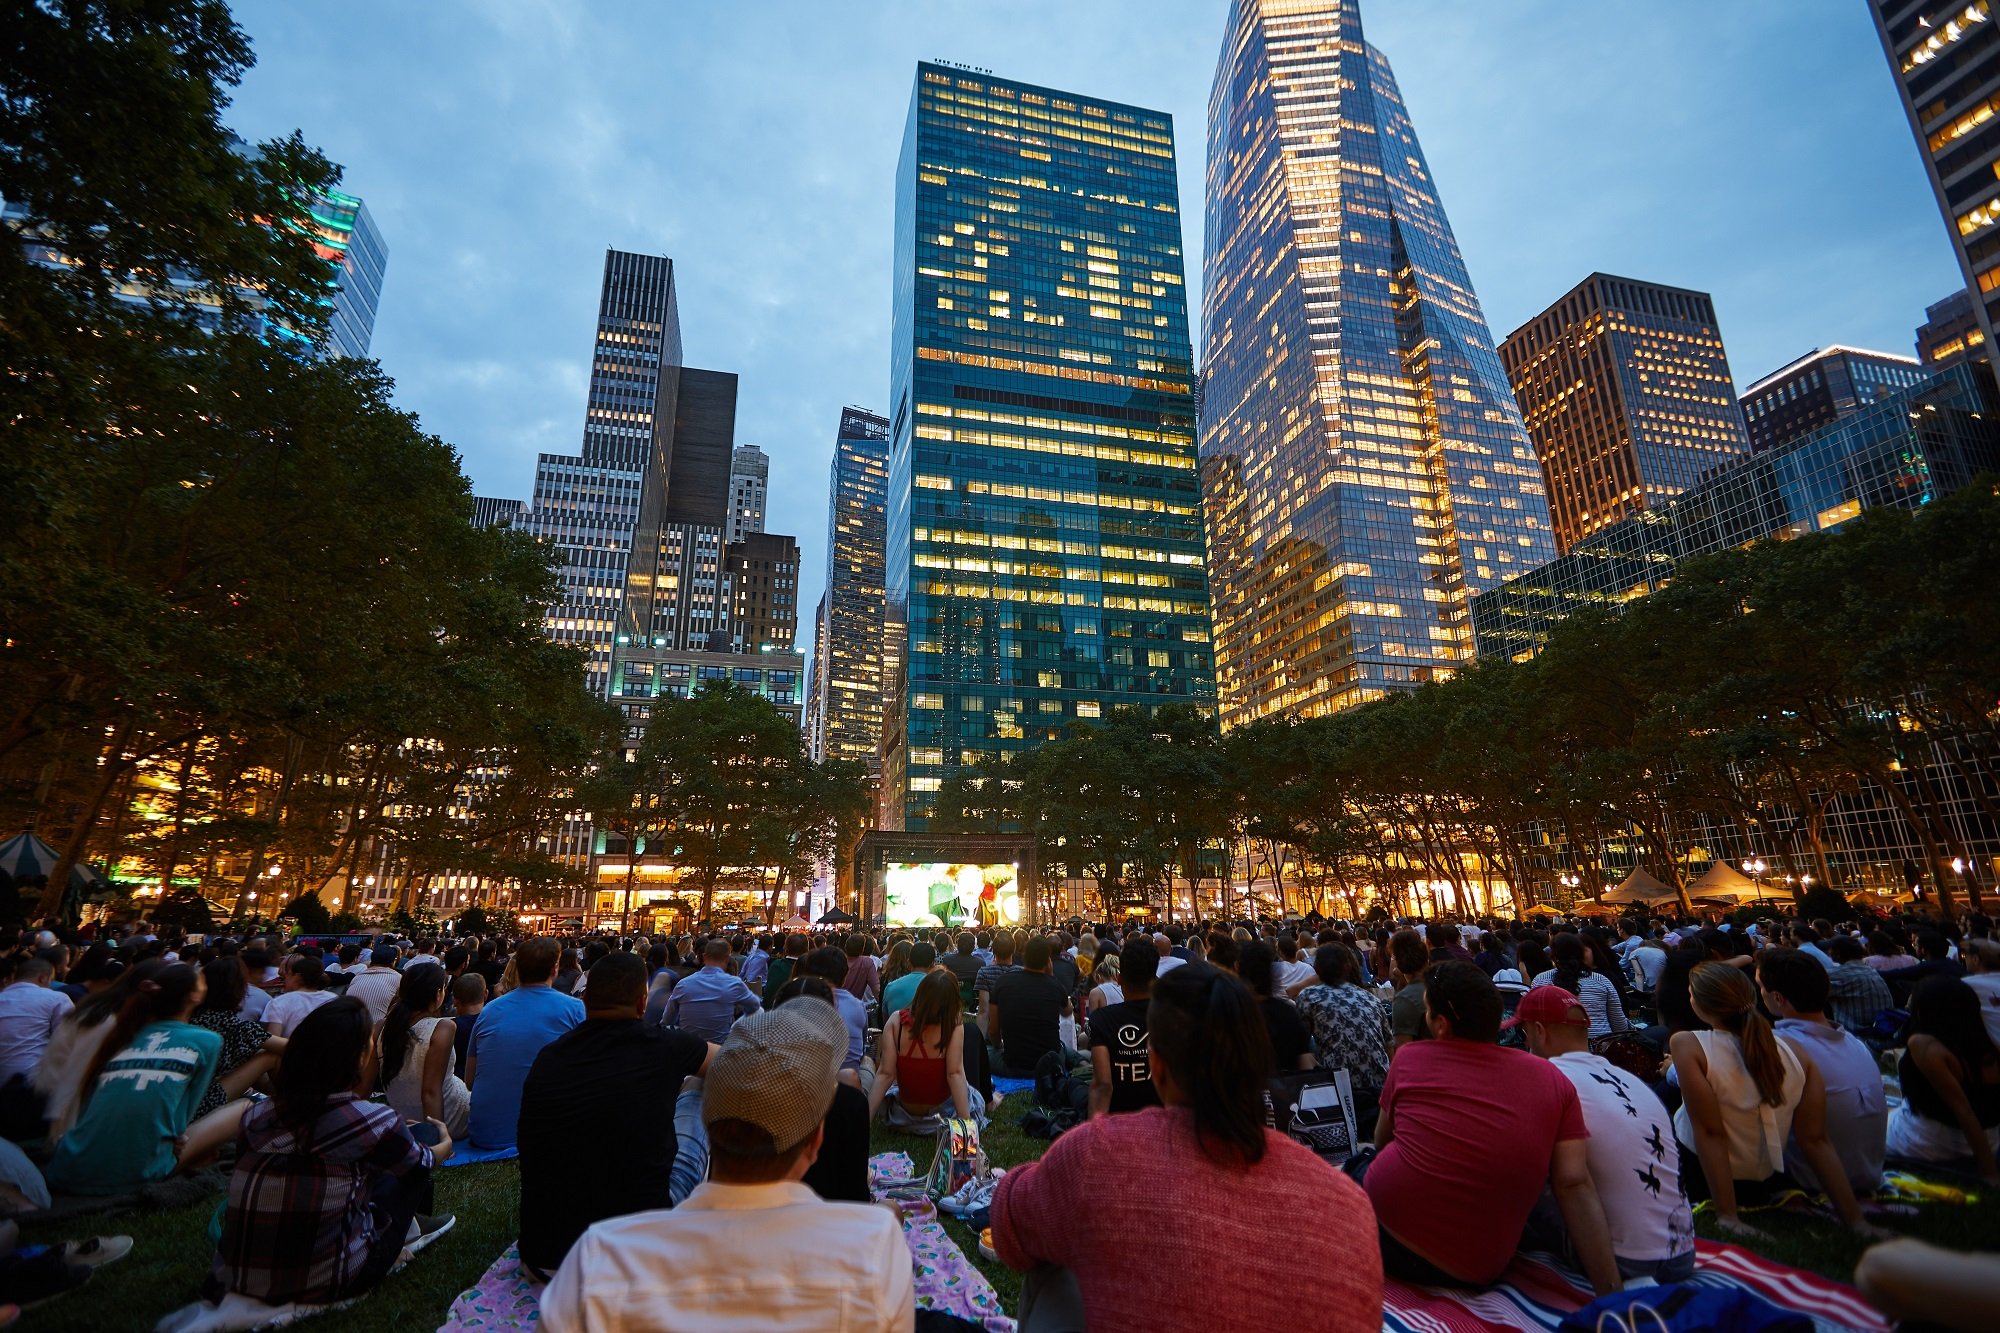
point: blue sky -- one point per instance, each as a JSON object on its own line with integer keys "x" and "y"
{"x": 1754, "y": 149}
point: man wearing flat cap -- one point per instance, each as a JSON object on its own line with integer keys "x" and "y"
{"x": 751, "y": 1247}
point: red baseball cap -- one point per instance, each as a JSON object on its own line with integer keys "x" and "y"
{"x": 1549, "y": 1004}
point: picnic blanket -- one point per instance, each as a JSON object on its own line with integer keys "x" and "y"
{"x": 505, "y": 1297}
{"x": 1007, "y": 1087}
{"x": 464, "y": 1154}
{"x": 946, "y": 1280}
{"x": 1535, "y": 1293}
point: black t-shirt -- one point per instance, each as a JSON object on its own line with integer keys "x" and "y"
{"x": 1289, "y": 1038}
{"x": 1121, "y": 1030}
{"x": 603, "y": 1092}
{"x": 1065, "y": 973}
{"x": 1030, "y": 1005}
{"x": 841, "y": 1169}
{"x": 963, "y": 966}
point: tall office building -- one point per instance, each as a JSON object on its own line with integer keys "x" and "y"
{"x": 344, "y": 235}
{"x": 1945, "y": 55}
{"x": 494, "y": 512}
{"x": 1364, "y": 468}
{"x": 845, "y": 690}
{"x": 1045, "y": 554}
{"x": 1627, "y": 394}
{"x": 1819, "y": 389}
{"x": 1951, "y": 333}
{"x": 749, "y": 482}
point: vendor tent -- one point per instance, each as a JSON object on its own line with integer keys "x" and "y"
{"x": 1640, "y": 887}
{"x": 833, "y": 916}
{"x": 1723, "y": 882}
{"x": 796, "y": 922}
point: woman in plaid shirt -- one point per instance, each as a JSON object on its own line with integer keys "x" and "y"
{"x": 327, "y": 1188}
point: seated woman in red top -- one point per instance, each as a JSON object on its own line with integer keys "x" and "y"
{"x": 1216, "y": 1192}
{"x": 1459, "y": 1108}
{"x": 922, "y": 1053}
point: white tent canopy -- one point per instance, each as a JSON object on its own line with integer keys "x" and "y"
{"x": 1640, "y": 887}
{"x": 1723, "y": 880}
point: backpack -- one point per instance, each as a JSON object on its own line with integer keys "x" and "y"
{"x": 1061, "y": 1097}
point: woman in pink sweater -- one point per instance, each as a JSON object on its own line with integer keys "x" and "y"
{"x": 1207, "y": 1204}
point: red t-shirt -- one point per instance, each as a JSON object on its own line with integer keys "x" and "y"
{"x": 1475, "y": 1128}
{"x": 1163, "y": 1240}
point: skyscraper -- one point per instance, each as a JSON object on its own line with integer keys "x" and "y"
{"x": 1951, "y": 332}
{"x": 1364, "y": 466}
{"x": 845, "y": 690}
{"x": 749, "y": 481}
{"x": 1627, "y": 394}
{"x": 1045, "y": 554}
{"x": 1945, "y": 55}
{"x": 1819, "y": 389}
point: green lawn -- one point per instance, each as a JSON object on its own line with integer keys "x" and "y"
{"x": 173, "y": 1248}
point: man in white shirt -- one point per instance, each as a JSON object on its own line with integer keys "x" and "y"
{"x": 305, "y": 991}
{"x": 30, "y": 1010}
{"x": 1982, "y": 973}
{"x": 750, "y": 1247}
{"x": 1168, "y": 962}
{"x": 376, "y": 984}
{"x": 1634, "y": 1161}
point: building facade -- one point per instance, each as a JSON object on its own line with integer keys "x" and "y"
{"x": 1364, "y": 467}
{"x": 1945, "y": 56}
{"x": 845, "y": 702}
{"x": 1819, "y": 389}
{"x": 749, "y": 483}
{"x": 1907, "y": 449}
{"x": 1951, "y": 333}
{"x": 1045, "y": 556}
{"x": 1627, "y": 394}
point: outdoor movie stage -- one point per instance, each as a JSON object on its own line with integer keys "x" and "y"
{"x": 911, "y": 879}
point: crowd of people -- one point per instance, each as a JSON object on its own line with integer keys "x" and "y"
{"x": 717, "y": 1092}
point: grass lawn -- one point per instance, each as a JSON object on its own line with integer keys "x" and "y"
{"x": 173, "y": 1249}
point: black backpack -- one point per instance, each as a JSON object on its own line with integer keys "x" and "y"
{"x": 1061, "y": 1097}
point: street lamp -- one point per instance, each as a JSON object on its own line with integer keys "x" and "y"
{"x": 1755, "y": 868}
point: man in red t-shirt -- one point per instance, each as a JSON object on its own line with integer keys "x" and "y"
{"x": 1469, "y": 1135}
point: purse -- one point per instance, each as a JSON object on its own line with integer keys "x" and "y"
{"x": 957, "y": 1159}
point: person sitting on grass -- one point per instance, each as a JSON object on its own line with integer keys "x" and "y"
{"x": 1794, "y": 988}
{"x": 1026, "y": 1010}
{"x": 1744, "y": 1091}
{"x": 1121, "y": 1075}
{"x": 921, "y": 1053}
{"x": 752, "y": 1246}
{"x": 1144, "y": 1259}
{"x": 511, "y": 1031}
{"x": 1857, "y": 995}
{"x": 328, "y": 1188}
{"x": 248, "y": 1051}
{"x": 840, "y": 1171}
{"x": 1951, "y": 1083}
{"x": 305, "y": 990}
{"x": 141, "y": 1089}
{"x": 1448, "y": 1101}
{"x": 419, "y": 1054}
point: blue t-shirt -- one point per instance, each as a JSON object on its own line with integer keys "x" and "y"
{"x": 144, "y": 1100}
{"x": 509, "y": 1033}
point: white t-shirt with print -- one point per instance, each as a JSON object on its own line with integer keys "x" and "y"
{"x": 1633, "y": 1159}
{"x": 288, "y": 1009}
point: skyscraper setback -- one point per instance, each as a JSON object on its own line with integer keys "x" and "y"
{"x": 1627, "y": 394}
{"x": 1045, "y": 554}
{"x": 1365, "y": 469}
{"x": 844, "y": 694}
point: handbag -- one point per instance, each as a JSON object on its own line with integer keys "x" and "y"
{"x": 957, "y": 1159}
{"x": 1315, "y": 1108}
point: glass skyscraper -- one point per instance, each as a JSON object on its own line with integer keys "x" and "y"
{"x": 1045, "y": 555}
{"x": 1364, "y": 466}
{"x": 844, "y": 696}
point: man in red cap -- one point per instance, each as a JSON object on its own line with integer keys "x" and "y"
{"x": 1633, "y": 1158}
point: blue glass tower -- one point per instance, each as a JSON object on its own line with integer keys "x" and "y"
{"x": 1364, "y": 465}
{"x": 1044, "y": 549}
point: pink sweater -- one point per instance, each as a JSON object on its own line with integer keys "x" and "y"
{"x": 1162, "y": 1239}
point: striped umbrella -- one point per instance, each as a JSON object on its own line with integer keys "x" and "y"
{"x": 26, "y": 857}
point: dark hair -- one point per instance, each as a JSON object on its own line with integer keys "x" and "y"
{"x": 811, "y": 987}
{"x": 1797, "y": 976}
{"x": 617, "y": 982}
{"x": 159, "y": 990}
{"x": 535, "y": 961}
{"x": 310, "y": 971}
{"x": 1531, "y": 956}
{"x": 1408, "y": 951}
{"x": 1466, "y": 997}
{"x": 1570, "y": 968}
{"x": 226, "y": 987}
{"x": 384, "y": 955}
{"x": 1336, "y": 964}
{"x": 922, "y": 955}
{"x": 1205, "y": 1028}
{"x": 1947, "y": 1009}
{"x": 467, "y": 987}
{"x": 423, "y": 986}
{"x": 1223, "y": 951}
{"x": 1844, "y": 949}
{"x": 828, "y": 963}
{"x": 1731, "y": 1000}
{"x": 1255, "y": 963}
{"x": 746, "y": 1154}
{"x": 323, "y": 1058}
{"x": 347, "y": 953}
{"x": 936, "y": 1003}
{"x": 1138, "y": 964}
{"x": 456, "y": 958}
{"x": 1036, "y": 956}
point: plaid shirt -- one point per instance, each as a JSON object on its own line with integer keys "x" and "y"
{"x": 1857, "y": 995}
{"x": 298, "y": 1226}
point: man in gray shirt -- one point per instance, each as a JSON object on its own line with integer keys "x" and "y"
{"x": 1794, "y": 987}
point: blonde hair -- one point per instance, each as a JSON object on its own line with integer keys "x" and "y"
{"x": 1725, "y": 993}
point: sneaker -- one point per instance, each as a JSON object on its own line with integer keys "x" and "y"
{"x": 962, "y": 1200}
{"x": 97, "y": 1251}
{"x": 424, "y": 1230}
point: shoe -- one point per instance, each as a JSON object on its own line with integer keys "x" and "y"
{"x": 97, "y": 1251}
{"x": 962, "y": 1200}
{"x": 986, "y": 1245}
{"x": 424, "y": 1230}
